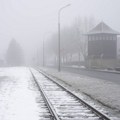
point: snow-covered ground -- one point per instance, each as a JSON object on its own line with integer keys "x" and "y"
{"x": 18, "y": 95}
{"x": 106, "y": 92}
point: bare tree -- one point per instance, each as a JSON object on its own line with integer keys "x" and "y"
{"x": 73, "y": 40}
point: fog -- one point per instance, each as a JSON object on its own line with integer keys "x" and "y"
{"x": 30, "y": 22}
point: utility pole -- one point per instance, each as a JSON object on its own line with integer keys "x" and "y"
{"x": 59, "y": 36}
{"x": 43, "y": 54}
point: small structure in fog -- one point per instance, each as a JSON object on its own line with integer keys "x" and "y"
{"x": 102, "y": 46}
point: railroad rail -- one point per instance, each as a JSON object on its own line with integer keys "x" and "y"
{"x": 62, "y": 103}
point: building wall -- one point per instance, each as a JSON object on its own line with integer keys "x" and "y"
{"x": 102, "y": 47}
{"x": 118, "y": 47}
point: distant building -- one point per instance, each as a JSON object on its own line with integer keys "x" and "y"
{"x": 102, "y": 44}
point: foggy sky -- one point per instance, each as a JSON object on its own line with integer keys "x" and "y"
{"x": 31, "y": 21}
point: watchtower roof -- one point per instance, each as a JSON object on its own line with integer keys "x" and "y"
{"x": 102, "y": 28}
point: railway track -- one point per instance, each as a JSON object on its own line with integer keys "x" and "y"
{"x": 61, "y": 103}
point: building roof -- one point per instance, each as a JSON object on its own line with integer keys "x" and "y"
{"x": 102, "y": 28}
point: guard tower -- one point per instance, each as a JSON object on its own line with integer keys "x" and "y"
{"x": 102, "y": 44}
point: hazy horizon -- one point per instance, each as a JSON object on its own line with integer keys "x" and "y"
{"x": 29, "y": 22}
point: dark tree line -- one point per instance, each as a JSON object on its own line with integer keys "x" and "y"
{"x": 73, "y": 41}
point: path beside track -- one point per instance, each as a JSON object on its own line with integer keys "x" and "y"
{"x": 108, "y": 93}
